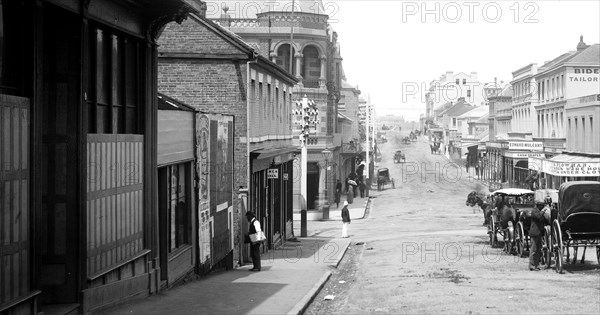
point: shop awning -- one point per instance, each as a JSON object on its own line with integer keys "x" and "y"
{"x": 567, "y": 165}
{"x": 468, "y": 145}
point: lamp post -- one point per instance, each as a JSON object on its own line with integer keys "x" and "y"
{"x": 327, "y": 154}
{"x": 307, "y": 113}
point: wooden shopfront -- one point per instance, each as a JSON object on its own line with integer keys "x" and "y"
{"x": 78, "y": 121}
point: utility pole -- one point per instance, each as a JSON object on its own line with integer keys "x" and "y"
{"x": 292, "y": 41}
{"x": 309, "y": 113}
{"x": 368, "y": 166}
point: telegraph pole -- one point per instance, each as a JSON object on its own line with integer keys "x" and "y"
{"x": 309, "y": 114}
{"x": 368, "y": 166}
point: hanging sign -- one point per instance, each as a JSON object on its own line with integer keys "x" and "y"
{"x": 272, "y": 173}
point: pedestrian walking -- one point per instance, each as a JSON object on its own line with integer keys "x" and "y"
{"x": 535, "y": 234}
{"x": 254, "y": 231}
{"x": 345, "y": 219}
{"x": 362, "y": 187}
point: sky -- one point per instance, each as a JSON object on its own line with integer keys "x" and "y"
{"x": 388, "y": 46}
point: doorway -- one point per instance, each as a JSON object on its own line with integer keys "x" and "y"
{"x": 312, "y": 183}
{"x": 58, "y": 153}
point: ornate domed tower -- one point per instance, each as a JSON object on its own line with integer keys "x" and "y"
{"x": 296, "y": 36}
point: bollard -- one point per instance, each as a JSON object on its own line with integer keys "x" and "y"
{"x": 303, "y": 223}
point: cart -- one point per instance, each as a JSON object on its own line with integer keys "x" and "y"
{"x": 383, "y": 178}
{"x": 576, "y": 223}
{"x": 502, "y": 221}
{"x": 399, "y": 157}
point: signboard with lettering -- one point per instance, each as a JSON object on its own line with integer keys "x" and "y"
{"x": 523, "y": 155}
{"x": 285, "y": 176}
{"x": 526, "y": 145}
{"x": 566, "y": 169}
{"x": 272, "y": 173}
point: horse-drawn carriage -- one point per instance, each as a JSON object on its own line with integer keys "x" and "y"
{"x": 576, "y": 223}
{"x": 383, "y": 178}
{"x": 545, "y": 198}
{"x": 399, "y": 157}
{"x": 510, "y": 202}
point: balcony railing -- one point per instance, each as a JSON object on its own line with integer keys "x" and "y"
{"x": 310, "y": 84}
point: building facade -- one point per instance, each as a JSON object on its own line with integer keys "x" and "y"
{"x": 303, "y": 43}
{"x": 215, "y": 72}
{"x": 567, "y": 112}
{"x": 78, "y": 91}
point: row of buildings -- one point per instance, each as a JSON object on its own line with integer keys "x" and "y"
{"x": 136, "y": 134}
{"x": 538, "y": 131}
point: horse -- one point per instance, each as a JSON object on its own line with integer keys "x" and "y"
{"x": 474, "y": 199}
{"x": 435, "y": 148}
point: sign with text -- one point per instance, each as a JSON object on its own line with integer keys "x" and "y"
{"x": 526, "y": 145}
{"x": 272, "y": 173}
{"x": 565, "y": 169}
{"x": 523, "y": 155}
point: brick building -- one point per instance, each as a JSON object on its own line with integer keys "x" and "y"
{"x": 303, "y": 43}
{"x": 214, "y": 71}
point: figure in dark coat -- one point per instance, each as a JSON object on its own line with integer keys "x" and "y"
{"x": 345, "y": 220}
{"x": 254, "y": 247}
{"x": 536, "y": 231}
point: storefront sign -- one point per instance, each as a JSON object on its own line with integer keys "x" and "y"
{"x": 523, "y": 155}
{"x": 285, "y": 176}
{"x": 272, "y": 173}
{"x": 526, "y": 145}
{"x": 566, "y": 169}
{"x": 497, "y": 145}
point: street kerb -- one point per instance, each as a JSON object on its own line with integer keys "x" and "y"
{"x": 301, "y": 306}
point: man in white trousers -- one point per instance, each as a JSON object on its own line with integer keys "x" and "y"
{"x": 345, "y": 219}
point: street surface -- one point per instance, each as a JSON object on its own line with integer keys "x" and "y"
{"x": 421, "y": 250}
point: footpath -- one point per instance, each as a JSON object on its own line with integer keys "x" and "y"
{"x": 291, "y": 277}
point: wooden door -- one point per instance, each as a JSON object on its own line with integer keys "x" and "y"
{"x": 58, "y": 223}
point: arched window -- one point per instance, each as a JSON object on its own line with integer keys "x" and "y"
{"x": 283, "y": 58}
{"x": 311, "y": 68}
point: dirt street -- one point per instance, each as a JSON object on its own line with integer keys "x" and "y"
{"x": 421, "y": 250}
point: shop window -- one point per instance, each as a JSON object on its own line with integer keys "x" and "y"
{"x": 468, "y": 93}
{"x": 115, "y": 75}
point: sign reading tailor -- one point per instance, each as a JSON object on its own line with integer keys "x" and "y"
{"x": 585, "y": 75}
{"x": 526, "y": 145}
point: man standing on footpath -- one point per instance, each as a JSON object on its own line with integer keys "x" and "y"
{"x": 345, "y": 219}
{"x": 254, "y": 247}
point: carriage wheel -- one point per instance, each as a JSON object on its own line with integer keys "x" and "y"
{"x": 546, "y": 247}
{"x": 557, "y": 247}
{"x": 492, "y": 232}
{"x": 520, "y": 239}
